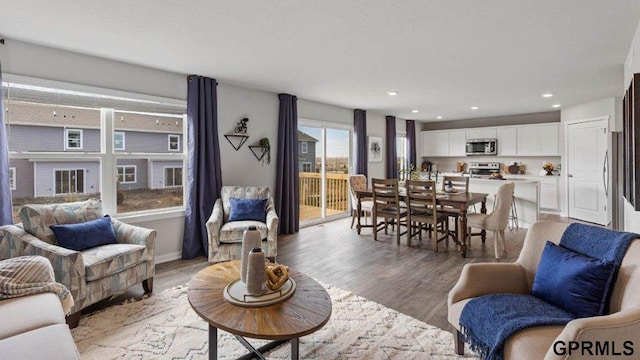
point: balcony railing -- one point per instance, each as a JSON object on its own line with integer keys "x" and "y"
{"x": 311, "y": 190}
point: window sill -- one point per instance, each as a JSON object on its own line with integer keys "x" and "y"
{"x": 151, "y": 215}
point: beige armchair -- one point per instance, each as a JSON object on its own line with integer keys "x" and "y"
{"x": 225, "y": 238}
{"x": 92, "y": 274}
{"x": 623, "y": 323}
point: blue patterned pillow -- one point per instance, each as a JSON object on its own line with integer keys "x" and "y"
{"x": 85, "y": 235}
{"x": 248, "y": 209}
{"x": 572, "y": 281}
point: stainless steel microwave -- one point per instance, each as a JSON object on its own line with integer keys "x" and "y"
{"x": 482, "y": 147}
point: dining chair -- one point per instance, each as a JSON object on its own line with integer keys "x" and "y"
{"x": 386, "y": 204}
{"x": 497, "y": 220}
{"x": 359, "y": 182}
{"x": 422, "y": 210}
{"x": 460, "y": 184}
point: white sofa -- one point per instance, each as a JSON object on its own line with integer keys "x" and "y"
{"x": 33, "y": 327}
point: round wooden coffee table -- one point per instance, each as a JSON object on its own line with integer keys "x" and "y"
{"x": 302, "y": 314}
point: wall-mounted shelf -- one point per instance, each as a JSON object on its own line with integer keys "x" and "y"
{"x": 258, "y": 151}
{"x": 237, "y": 140}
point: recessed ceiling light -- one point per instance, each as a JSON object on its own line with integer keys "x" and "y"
{"x": 474, "y": 108}
{"x": 555, "y": 105}
{"x": 415, "y": 111}
{"x": 547, "y": 95}
{"x": 392, "y": 93}
{"x": 439, "y": 117}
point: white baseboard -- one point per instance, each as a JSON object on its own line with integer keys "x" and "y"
{"x": 167, "y": 257}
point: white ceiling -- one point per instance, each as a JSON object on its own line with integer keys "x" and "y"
{"x": 442, "y": 56}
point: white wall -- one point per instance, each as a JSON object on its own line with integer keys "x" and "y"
{"x": 234, "y": 103}
{"x": 595, "y": 109}
{"x": 631, "y": 66}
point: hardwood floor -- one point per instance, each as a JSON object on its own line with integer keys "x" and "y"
{"x": 414, "y": 281}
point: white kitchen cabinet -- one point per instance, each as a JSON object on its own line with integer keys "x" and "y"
{"x": 549, "y": 193}
{"x": 435, "y": 143}
{"x": 528, "y": 141}
{"x": 538, "y": 140}
{"x": 549, "y": 144}
{"x": 507, "y": 141}
{"x": 481, "y": 133}
{"x": 457, "y": 143}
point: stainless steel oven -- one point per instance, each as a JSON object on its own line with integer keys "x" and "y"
{"x": 482, "y": 147}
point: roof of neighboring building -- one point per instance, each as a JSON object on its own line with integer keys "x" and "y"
{"x": 31, "y": 114}
{"x": 302, "y": 136}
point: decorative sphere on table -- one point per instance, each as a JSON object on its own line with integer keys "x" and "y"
{"x": 448, "y": 186}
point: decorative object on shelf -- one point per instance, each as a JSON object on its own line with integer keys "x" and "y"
{"x": 262, "y": 151}
{"x": 460, "y": 166}
{"x": 250, "y": 239}
{"x": 241, "y": 127}
{"x": 548, "y": 167}
{"x": 277, "y": 275}
{"x": 375, "y": 149}
{"x": 256, "y": 274}
{"x": 239, "y": 135}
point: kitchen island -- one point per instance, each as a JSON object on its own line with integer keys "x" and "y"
{"x": 527, "y": 196}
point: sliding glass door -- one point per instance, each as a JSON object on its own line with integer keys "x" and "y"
{"x": 324, "y": 163}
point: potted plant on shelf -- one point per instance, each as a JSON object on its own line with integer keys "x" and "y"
{"x": 266, "y": 150}
{"x": 548, "y": 167}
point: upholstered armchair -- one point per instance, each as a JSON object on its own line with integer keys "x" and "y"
{"x": 225, "y": 237}
{"x": 621, "y": 324}
{"x": 92, "y": 274}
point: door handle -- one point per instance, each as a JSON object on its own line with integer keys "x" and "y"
{"x": 569, "y": 175}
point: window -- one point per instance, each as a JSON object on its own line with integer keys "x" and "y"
{"x": 126, "y": 174}
{"x": 12, "y": 177}
{"x": 69, "y": 181}
{"x": 401, "y": 153}
{"x": 305, "y": 147}
{"x": 174, "y": 142}
{"x": 306, "y": 167}
{"x": 73, "y": 139}
{"x": 172, "y": 176}
{"x": 118, "y": 140}
{"x": 74, "y": 169}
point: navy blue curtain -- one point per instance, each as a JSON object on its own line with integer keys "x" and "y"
{"x": 392, "y": 157}
{"x": 287, "y": 183}
{"x": 360, "y": 128}
{"x": 204, "y": 177}
{"x": 6, "y": 216}
{"x": 412, "y": 153}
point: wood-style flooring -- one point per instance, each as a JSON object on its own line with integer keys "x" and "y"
{"x": 414, "y": 281}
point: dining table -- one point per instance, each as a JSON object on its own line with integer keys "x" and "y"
{"x": 457, "y": 200}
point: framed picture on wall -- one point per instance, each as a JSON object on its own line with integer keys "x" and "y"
{"x": 375, "y": 149}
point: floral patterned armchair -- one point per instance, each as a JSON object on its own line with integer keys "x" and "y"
{"x": 225, "y": 238}
{"x": 92, "y": 274}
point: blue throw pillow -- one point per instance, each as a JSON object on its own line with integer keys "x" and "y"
{"x": 248, "y": 209}
{"x": 572, "y": 281}
{"x": 85, "y": 235}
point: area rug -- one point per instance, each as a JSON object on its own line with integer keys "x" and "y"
{"x": 164, "y": 326}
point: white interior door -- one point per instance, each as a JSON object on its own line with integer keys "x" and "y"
{"x": 587, "y": 177}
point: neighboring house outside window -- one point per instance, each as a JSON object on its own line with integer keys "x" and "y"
{"x": 118, "y": 140}
{"x": 69, "y": 181}
{"x": 73, "y": 139}
{"x": 304, "y": 147}
{"x": 174, "y": 143}
{"x": 12, "y": 178}
{"x": 306, "y": 166}
{"x": 172, "y": 176}
{"x": 126, "y": 174}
